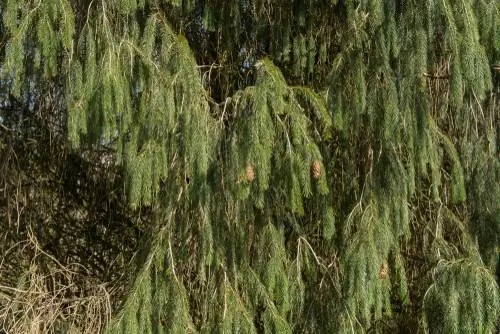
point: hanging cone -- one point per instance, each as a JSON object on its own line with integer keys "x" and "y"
{"x": 249, "y": 172}
{"x": 316, "y": 169}
{"x": 384, "y": 271}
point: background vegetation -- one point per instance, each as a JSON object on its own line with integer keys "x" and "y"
{"x": 173, "y": 166}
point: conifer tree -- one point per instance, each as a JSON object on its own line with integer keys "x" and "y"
{"x": 309, "y": 165}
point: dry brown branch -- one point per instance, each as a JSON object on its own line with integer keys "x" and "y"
{"x": 436, "y": 76}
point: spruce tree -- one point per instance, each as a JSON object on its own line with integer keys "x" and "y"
{"x": 309, "y": 165}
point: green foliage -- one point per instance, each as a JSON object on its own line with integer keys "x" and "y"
{"x": 463, "y": 298}
{"x": 274, "y": 135}
{"x": 365, "y": 255}
{"x": 49, "y": 24}
{"x": 157, "y": 301}
{"x": 306, "y": 163}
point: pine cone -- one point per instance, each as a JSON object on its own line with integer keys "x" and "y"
{"x": 316, "y": 169}
{"x": 384, "y": 271}
{"x": 249, "y": 172}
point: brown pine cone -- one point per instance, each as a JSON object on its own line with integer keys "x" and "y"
{"x": 384, "y": 271}
{"x": 249, "y": 172}
{"x": 316, "y": 169}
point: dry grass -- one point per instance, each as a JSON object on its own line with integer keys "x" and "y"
{"x": 50, "y": 297}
